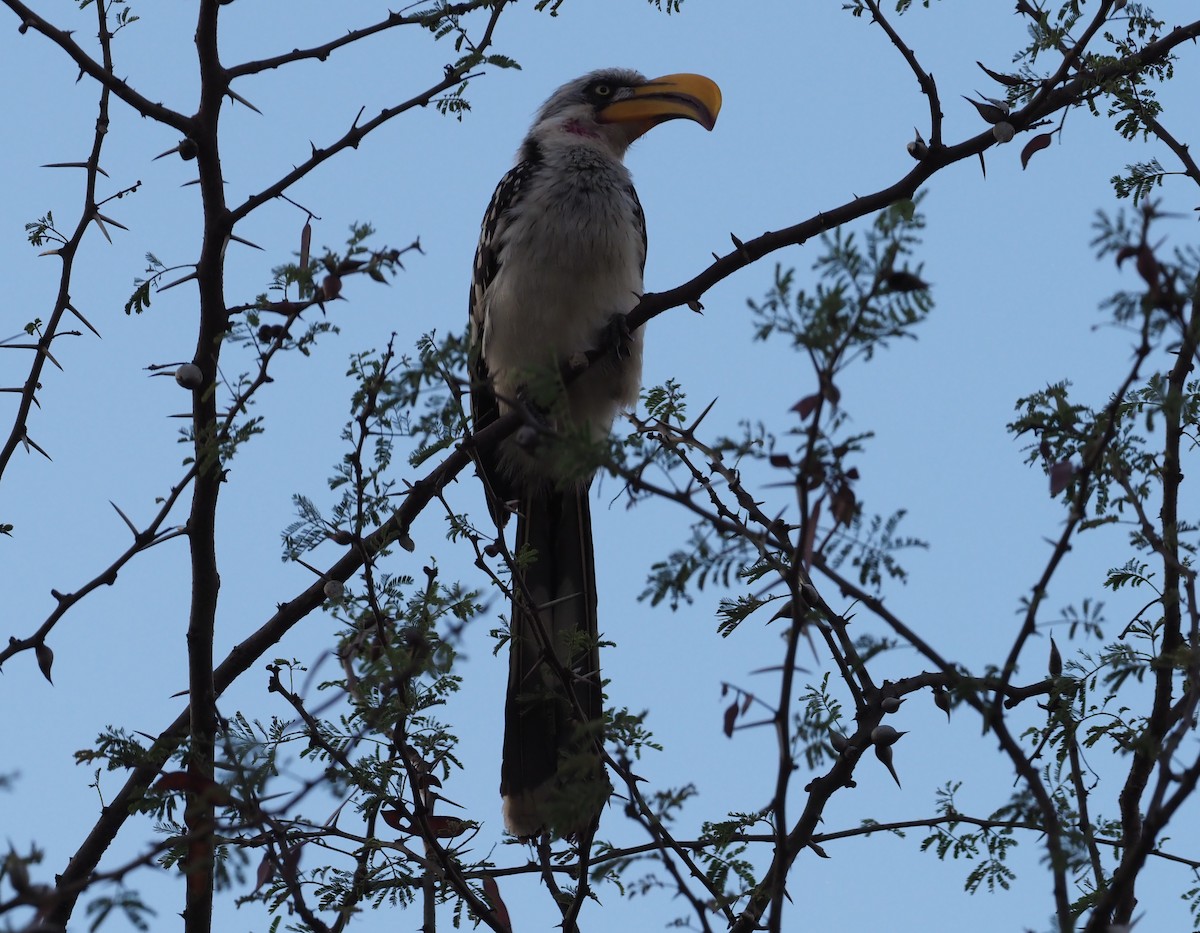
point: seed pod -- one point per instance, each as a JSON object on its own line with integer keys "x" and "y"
{"x": 883, "y": 736}
{"x": 918, "y": 148}
{"x": 189, "y": 376}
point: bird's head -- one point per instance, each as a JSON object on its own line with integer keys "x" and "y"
{"x": 614, "y": 106}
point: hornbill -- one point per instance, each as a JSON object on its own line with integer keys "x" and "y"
{"x": 559, "y": 265}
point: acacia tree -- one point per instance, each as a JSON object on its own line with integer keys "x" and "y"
{"x": 777, "y": 523}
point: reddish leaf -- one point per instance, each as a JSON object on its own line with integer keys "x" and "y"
{"x": 780, "y": 460}
{"x": 266, "y": 870}
{"x": 805, "y": 406}
{"x": 195, "y": 784}
{"x": 1060, "y": 476}
{"x": 1147, "y": 265}
{"x": 1124, "y": 253}
{"x": 491, "y": 893}
{"x": 174, "y": 781}
{"x": 731, "y": 715}
{"x": 843, "y": 505}
{"x": 1037, "y": 144}
{"x": 447, "y": 827}
{"x": 394, "y": 819}
{"x": 1055, "y": 660}
{"x": 746, "y": 701}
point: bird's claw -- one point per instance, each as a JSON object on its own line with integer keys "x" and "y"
{"x": 618, "y": 336}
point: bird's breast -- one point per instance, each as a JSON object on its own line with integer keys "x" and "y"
{"x": 570, "y": 258}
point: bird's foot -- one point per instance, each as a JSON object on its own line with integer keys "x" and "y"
{"x": 537, "y": 422}
{"x": 618, "y": 337}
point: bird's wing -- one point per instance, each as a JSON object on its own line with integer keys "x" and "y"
{"x": 640, "y": 219}
{"x": 488, "y": 257}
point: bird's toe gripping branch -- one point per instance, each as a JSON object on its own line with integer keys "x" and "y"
{"x": 618, "y": 338}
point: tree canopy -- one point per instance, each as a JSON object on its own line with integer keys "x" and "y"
{"x": 857, "y": 667}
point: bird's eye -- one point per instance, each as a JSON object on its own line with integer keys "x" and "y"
{"x": 602, "y": 90}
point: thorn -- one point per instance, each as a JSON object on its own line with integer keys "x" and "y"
{"x": 50, "y": 357}
{"x": 124, "y": 518}
{"x": 28, "y": 442}
{"x": 74, "y": 165}
{"x": 241, "y": 100}
{"x": 703, "y": 414}
{"x": 86, "y": 323}
{"x": 190, "y": 275}
{"x": 109, "y": 220}
{"x": 238, "y": 239}
{"x": 100, "y": 223}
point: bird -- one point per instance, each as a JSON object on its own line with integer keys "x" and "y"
{"x": 561, "y": 254}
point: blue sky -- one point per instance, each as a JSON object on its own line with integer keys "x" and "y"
{"x": 818, "y": 108}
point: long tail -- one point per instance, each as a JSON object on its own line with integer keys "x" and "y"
{"x": 551, "y": 777}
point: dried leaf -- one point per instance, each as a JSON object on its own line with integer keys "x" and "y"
{"x": 196, "y": 784}
{"x": 447, "y": 827}
{"x": 1060, "y": 476}
{"x": 1037, "y": 144}
{"x": 1125, "y": 252}
{"x": 805, "y": 406}
{"x": 266, "y": 870}
{"x": 1147, "y": 265}
{"x": 491, "y": 893}
{"x": 394, "y": 819}
{"x": 173, "y": 781}
{"x": 731, "y": 715}
{"x": 901, "y": 280}
{"x": 843, "y": 505}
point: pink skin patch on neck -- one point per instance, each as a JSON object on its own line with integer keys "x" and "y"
{"x": 576, "y": 127}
